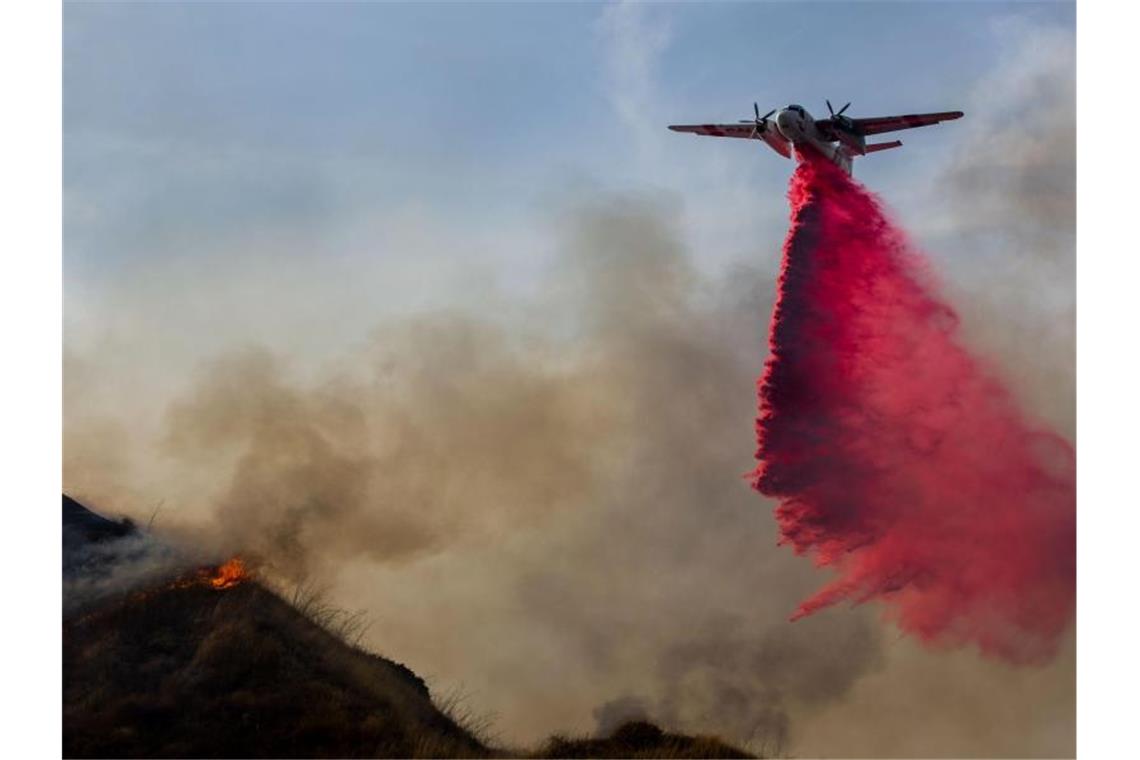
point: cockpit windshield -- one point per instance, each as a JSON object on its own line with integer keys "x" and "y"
{"x": 797, "y": 109}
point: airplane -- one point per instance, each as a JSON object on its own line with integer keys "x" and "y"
{"x": 840, "y": 138}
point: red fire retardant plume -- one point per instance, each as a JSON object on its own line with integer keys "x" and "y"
{"x": 898, "y": 459}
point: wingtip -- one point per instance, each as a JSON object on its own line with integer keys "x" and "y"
{"x": 675, "y": 127}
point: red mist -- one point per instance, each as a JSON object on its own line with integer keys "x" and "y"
{"x": 899, "y": 460}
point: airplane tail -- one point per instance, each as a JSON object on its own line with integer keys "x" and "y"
{"x": 875, "y": 147}
{"x": 844, "y": 155}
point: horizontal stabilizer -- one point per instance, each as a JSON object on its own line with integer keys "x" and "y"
{"x": 883, "y": 146}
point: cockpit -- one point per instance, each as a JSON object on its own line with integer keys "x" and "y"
{"x": 797, "y": 109}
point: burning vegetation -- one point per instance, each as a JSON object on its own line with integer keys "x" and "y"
{"x": 229, "y": 574}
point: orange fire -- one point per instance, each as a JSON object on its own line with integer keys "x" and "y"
{"x": 229, "y": 575}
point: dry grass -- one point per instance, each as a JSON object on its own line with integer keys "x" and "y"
{"x": 194, "y": 672}
{"x": 312, "y": 602}
{"x": 456, "y": 704}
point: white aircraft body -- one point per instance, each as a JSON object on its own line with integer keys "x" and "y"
{"x": 839, "y": 138}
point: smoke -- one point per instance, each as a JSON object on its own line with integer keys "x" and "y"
{"x": 455, "y": 431}
{"x": 715, "y": 677}
{"x": 111, "y": 568}
{"x": 610, "y": 715}
{"x": 899, "y": 459}
{"x": 103, "y": 558}
{"x": 559, "y": 483}
{"x": 1000, "y": 218}
{"x": 541, "y": 501}
{"x": 1018, "y": 184}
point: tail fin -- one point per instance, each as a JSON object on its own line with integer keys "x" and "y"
{"x": 883, "y": 146}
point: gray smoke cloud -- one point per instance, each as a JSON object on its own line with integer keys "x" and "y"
{"x": 105, "y": 558}
{"x": 107, "y": 569}
{"x": 1001, "y": 219}
{"x": 579, "y": 463}
{"x": 610, "y": 715}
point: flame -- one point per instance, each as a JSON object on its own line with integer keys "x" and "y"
{"x": 225, "y": 576}
{"x": 229, "y": 575}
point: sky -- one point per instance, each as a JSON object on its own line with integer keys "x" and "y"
{"x": 188, "y": 124}
{"x": 362, "y": 218}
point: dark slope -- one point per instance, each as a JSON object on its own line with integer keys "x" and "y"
{"x": 178, "y": 668}
{"x": 85, "y": 531}
{"x": 174, "y": 669}
{"x": 81, "y": 525}
{"x": 638, "y": 739}
{"x": 197, "y": 672}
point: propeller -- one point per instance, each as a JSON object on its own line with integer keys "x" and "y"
{"x": 835, "y": 113}
{"x": 760, "y": 123}
{"x": 839, "y": 119}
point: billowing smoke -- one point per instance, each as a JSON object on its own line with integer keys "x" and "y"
{"x": 448, "y": 427}
{"x": 97, "y": 571}
{"x": 746, "y": 681}
{"x": 103, "y": 558}
{"x": 560, "y": 486}
{"x": 899, "y": 459}
{"x": 547, "y": 495}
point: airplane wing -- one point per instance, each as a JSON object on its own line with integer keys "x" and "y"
{"x": 777, "y": 142}
{"x": 875, "y": 125}
{"x": 715, "y": 130}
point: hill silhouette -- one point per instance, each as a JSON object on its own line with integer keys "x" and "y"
{"x": 184, "y": 666}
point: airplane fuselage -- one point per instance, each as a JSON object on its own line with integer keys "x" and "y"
{"x": 797, "y": 126}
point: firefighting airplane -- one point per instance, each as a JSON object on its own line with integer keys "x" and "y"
{"x": 839, "y": 138}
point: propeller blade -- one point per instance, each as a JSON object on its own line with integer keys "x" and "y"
{"x": 830, "y": 110}
{"x": 756, "y": 110}
{"x": 841, "y": 110}
{"x": 765, "y": 116}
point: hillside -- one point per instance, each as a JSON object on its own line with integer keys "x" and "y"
{"x": 182, "y": 668}
{"x": 202, "y": 665}
{"x": 197, "y": 672}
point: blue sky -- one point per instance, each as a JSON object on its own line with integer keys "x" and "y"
{"x": 292, "y": 174}
{"x": 185, "y": 123}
